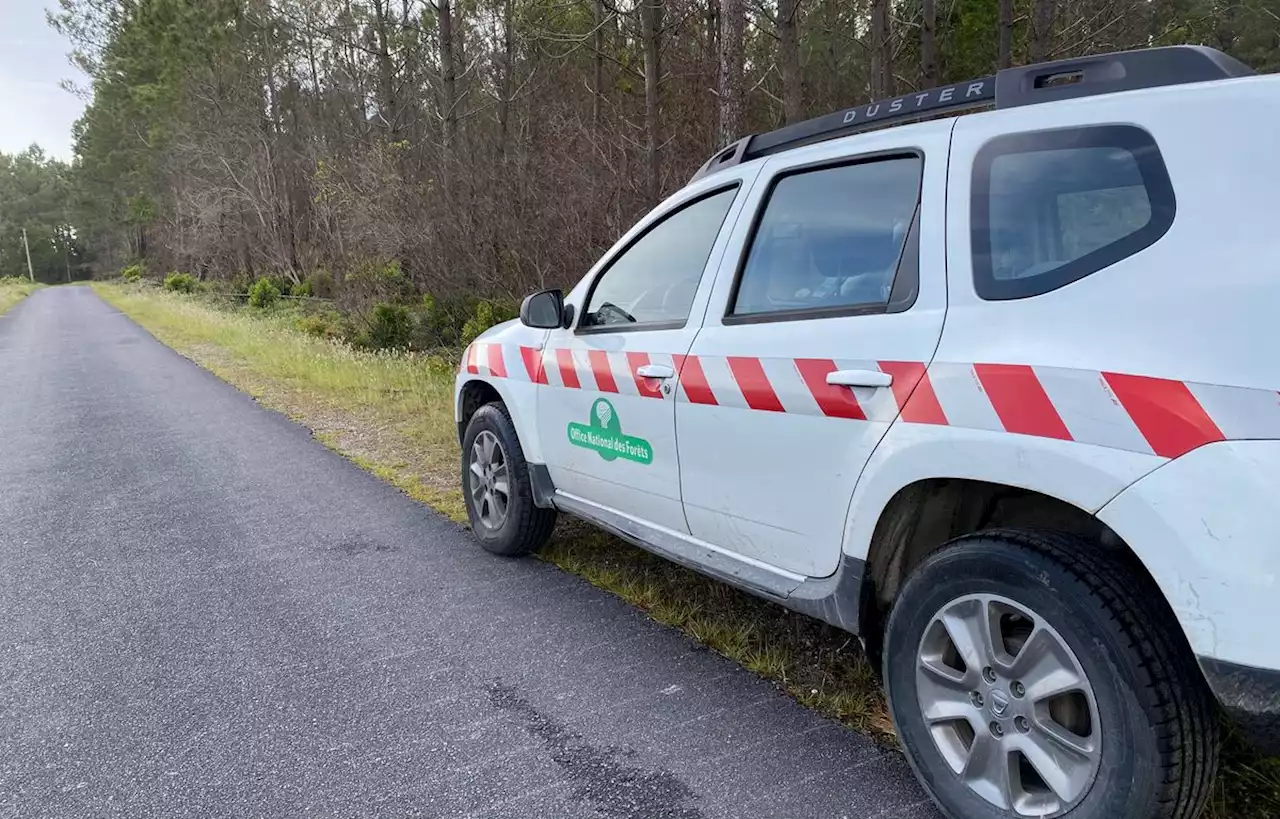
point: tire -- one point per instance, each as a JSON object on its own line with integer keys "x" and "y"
{"x": 1145, "y": 715}
{"x": 523, "y": 528}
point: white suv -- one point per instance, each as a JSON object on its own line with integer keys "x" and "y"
{"x": 991, "y": 392}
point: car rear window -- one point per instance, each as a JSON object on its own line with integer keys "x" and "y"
{"x": 1051, "y": 207}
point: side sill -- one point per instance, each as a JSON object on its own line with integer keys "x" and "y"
{"x": 836, "y": 599}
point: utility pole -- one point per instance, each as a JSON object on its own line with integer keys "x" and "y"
{"x": 31, "y": 273}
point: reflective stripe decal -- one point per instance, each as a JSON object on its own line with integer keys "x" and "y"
{"x": 1020, "y": 401}
{"x": 755, "y": 386}
{"x": 568, "y": 372}
{"x": 497, "y": 367}
{"x": 694, "y": 381}
{"x": 648, "y": 387}
{"x": 603, "y": 373}
{"x": 834, "y": 401}
{"x": 913, "y": 391}
{"x": 533, "y": 364}
{"x": 1134, "y": 413}
{"x": 1169, "y": 416}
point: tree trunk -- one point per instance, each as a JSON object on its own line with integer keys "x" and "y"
{"x": 928, "y": 44}
{"x": 597, "y": 82}
{"x": 1042, "y": 30}
{"x": 732, "y": 18}
{"x": 1005, "y": 59}
{"x": 650, "y": 31}
{"x": 789, "y": 61}
{"x": 881, "y": 50}
{"x": 508, "y": 68}
{"x": 448, "y": 76}
{"x": 387, "y": 102}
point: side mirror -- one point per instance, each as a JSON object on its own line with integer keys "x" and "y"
{"x": 543, "y": 310}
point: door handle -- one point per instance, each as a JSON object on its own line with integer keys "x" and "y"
{"x": 859, "y": 378}
{"x": 654, "y": 371}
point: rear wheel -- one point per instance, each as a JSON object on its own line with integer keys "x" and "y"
{"x": 497, "y": 489}
{"x": 1029, "y": 675}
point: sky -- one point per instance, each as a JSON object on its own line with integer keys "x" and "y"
{"x": 33, "y": 62}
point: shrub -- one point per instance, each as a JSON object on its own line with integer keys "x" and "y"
{"x": 487, "y": 315}
{"x": 390, "y": 326}
{"x": 264, "y": 293}
{"x": 327, "y": 324}
{"x": 180, "y": 283}
{"x": 302, "y": 291}
{"x": 133, "y": 273}
{"x": 321, "y": 284}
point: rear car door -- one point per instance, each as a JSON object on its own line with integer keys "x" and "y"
{"x": 607, "y": 419}
{"x": 813, "y": 343}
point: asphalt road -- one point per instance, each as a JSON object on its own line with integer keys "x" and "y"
{"x": 204, "y": 612}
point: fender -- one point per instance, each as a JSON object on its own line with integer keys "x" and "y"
{"x": 1084, "y": 475}
{"x": 507, "y": 358}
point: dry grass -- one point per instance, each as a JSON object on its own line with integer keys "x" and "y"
{"x": 392, "y": 414}
{"x": 13, "y": 291}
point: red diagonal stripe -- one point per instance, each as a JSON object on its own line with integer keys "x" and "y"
{"x": 497, "y": 367}
{"x": 1166, "y": 413}
{"x": 913, "y": 392}
{"x": 1020, "y": 401}
{"x": 600, "y": 369}
{"x": 568, "y": 373}
{"x": 694, "y": 381}
{"x": 533, "y": 364}
{"x": 754, "y": 384}
{"x": 649, "y": 387}
{"x": 473, "y": 362}
{"x": 834, "y": 401}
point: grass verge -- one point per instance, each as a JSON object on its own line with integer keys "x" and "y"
{"x": 392, "y": 414}
{"x": 13, "y": 291}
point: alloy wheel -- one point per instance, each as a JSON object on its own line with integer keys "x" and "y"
{"x": 490, "y": 485}
{"x": 1008, "y": 705}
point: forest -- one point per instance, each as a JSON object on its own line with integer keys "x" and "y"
{"x": 485, "y": 147}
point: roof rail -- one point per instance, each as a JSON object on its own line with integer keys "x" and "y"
{"x": 1010, "y": 88}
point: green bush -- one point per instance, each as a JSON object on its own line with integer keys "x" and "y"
{"x": 390, "y": 327}
{"x": 264, "y": 293}
{"x": 327, "y": 324}
{"x": 302, "y": 291}
{"x": 133, "y": 273}
{"x": 180, "y": 283}
{"x": 321, "y": 285}
{"x": 487, "y": 315}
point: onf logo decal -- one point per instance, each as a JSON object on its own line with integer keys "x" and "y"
{"x": 604, "y": 435}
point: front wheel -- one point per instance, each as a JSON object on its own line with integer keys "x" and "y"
{"x": 497, "y": 489}
{"x": 1030, "y": 675}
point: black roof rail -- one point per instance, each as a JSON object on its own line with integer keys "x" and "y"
{"x": 1010, "y": 88}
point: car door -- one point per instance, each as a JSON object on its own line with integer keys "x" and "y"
{"x": 831, "y": 310}
{"x": 607, "y": 420}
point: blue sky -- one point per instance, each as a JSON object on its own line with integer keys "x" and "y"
{"x": 33, "y": 61}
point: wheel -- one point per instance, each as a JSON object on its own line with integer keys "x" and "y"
{"x": 496, "y": 487}
{"x": 1029, "y": 675}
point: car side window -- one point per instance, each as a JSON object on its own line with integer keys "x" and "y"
{"x": 1051, "y": 207}
{"x": 651, "y": 284}
{"x": 830, "y": 241}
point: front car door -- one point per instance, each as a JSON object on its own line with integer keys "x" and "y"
{"x": 607, "y": 417}
{"x": 832, "y": 311}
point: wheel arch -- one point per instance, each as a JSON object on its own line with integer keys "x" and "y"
{"x": 925, "y": 516}
{"x": 520, "y": 398}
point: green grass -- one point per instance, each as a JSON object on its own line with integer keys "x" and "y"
{"x": 392, "y": 415}
{"x": 13, "y": 291}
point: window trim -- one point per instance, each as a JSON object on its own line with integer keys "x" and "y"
{"x": 641, "y": 326}
{"x": 1155, "y": 179}
{"x": 836, "y": 311}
